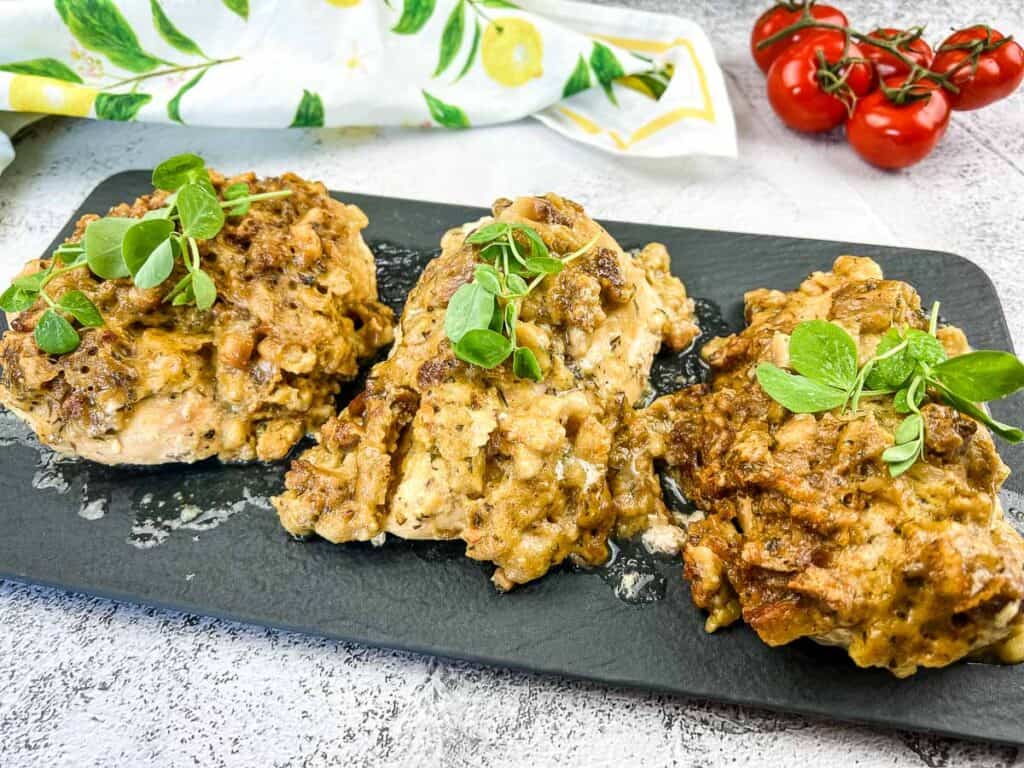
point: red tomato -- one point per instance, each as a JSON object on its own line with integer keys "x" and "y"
{"x": 892, "y": 135}
{"x": 999, "y": 70}
{"x": 795, "y": 88}
{"x": 780, "y": 16}
{"x": 888, "y": 65}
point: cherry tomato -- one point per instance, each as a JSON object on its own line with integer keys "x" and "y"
{"x": 892, "y": 135}
{"x": 888, "y": 65}
{"x": 795, "y": 88}
{"x": 999, "y": 70}
{"x": 780, "y": 16}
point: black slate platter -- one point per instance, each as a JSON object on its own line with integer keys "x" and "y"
{"x": 202, "y": 538}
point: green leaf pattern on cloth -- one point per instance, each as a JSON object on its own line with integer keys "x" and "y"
{"x": 171, "y": 33}
{"x": 310, "y": 112}
{"x": 241, "y": 7}
{"x": 447, "y": 115}
{"x": 415, "y": 13}
{"x": 451, "y": 38}
{"x": 174, "y": 105}
{"x": 579, "y": 80}
{"x": 120, "y": 106}
{"x": 99, "y": 26}
{"x": 462, "y": 63}
{"x": 58, "y": 70}
{"x": 607, "y": 68}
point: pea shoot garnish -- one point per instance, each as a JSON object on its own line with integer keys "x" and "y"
{"x": 481, "y": 318}
{"x": 909, "y": 365}
{"x": 145, "y": 250}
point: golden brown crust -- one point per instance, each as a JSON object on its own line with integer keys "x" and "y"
{"x": 806, "y": 533}
{"x": 527, "y": 474}
{"x": 297, "y": 311}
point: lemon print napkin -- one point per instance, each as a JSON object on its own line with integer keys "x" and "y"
{"x": 625, "y": 81}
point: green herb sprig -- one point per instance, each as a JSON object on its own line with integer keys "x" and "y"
{"x": 909, "y": 365}
{"x": 145, "y": 250}
{"x": 482, "y": 315}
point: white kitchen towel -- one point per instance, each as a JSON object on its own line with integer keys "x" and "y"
{"x": 625, "y": 81}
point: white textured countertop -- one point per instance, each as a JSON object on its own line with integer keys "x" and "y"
{"x": 89, "y": 682}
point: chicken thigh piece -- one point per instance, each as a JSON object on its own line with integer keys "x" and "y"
{"x": 805, "y": 532}
{"x": 526, "y": 473}
{"x": 297, "y": 311}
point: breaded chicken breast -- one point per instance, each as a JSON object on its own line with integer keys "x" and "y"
{"x": 527, "y": 473}
{"x": 297, "y": 311}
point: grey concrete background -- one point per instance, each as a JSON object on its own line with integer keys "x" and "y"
{"x": 88, "y": 682}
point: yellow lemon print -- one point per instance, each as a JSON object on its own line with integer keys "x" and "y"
{"x": 345, "y": 3}
{"x": 512, "y": 50}
{"x": 29, "y": 93}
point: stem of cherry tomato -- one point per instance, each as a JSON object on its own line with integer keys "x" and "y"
{"x": 917, "y": 72}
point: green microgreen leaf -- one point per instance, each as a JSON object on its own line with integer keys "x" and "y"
{"x": 179, "y": 288}
{"x": 981, "y": 376}
{"x": 187, "y": 296}
{"x": 488, "y": 233}
{"x": 824, "y": 353}
{"x": 898, "y": 468}
{"x": 69, "y": 253}
{"x": 525, "y": 365}
{"x": 55, "y": 335}
{"x": 140, "y": 242}
{"x": 31, "y": 283}
{"x": 204, "y": 289}
{"x": 544, "y": 265}
{"x": 799, "y": 394}
{"x": 470, "y": 308}
{"x": 483, "y": 347}
{"x": 235, "y": 191}
{"x": 893, "y": 369}
{"x": 924, "y": 348}
{"x": 16, "y": 299}
{"x": 538, "y": 248}
{"x": 488, "y": 277}
{"x": 200, "y": 212}
{"x": 909, "y": 429}
{"x": 78, "y": 305}
{"x": 516, "y": 286}
{"x": 902, "y": 452}
{"x": 900, "y": 402}
{"x": 102, "y": 241}
{"x": 175, "y": 172}
{"x": 158, "y": 213}
{"x": 497, "y": 323}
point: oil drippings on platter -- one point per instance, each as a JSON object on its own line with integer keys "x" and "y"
{"x": 398, "y": 269}
{"x": 189, "y": 509}
{"x": 672, "y": 371}
{"x": 161, "y": 500}
{"x": 634, "y": 569}
{"x": 632, "y": 574}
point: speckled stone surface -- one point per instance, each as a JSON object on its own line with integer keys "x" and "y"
{"x": 87, "y": 682}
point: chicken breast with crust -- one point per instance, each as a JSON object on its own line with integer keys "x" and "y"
{"x": 297, "y": 311}
{"x": 526, "y": 473}
{"x": 805, "y": 532}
